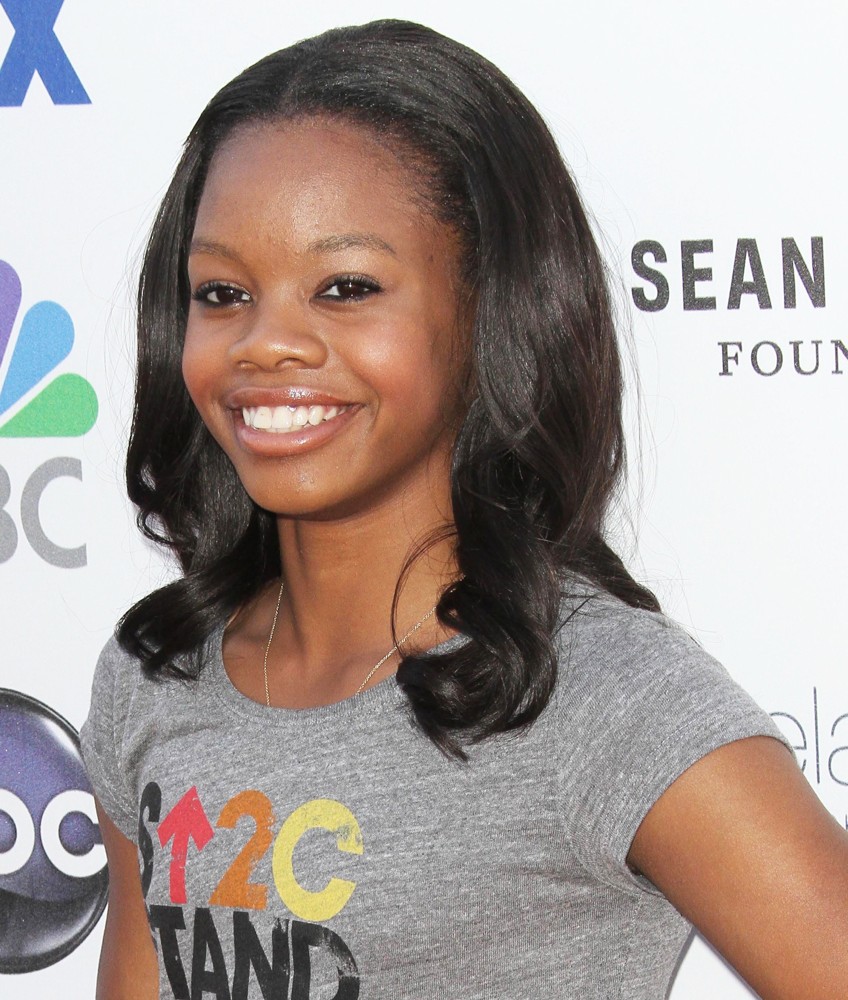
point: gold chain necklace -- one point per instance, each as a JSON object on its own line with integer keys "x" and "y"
{"x": 370, "y": 673}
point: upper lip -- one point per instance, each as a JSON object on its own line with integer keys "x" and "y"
{"x": 292, "y": 395}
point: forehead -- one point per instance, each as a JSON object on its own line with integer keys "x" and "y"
{"x": 295, "y": 183}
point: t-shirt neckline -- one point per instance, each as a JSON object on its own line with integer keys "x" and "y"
{"x": 384, "y": 695}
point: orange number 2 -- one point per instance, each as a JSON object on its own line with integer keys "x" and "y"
{"x": 235, "y": 888}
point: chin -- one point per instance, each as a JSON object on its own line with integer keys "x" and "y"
{"x": 303, "y": 504}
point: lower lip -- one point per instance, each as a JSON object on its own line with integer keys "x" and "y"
{"x": 280, "y": 444}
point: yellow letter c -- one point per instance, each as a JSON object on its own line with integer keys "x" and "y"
{"x": 326, "y": 814}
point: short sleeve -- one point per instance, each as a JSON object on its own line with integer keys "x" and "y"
{"x": 643, "y": 702}
{"x": 101, "y": 737}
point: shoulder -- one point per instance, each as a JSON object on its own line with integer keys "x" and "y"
{"x": 115, "y": 663}
{"x": 131, "y": 711}
{"x": 604, "y": 645}
{"x": 116, "y": 676}
{"x": 587, "y": 611}
{"x": 638, "y": 701}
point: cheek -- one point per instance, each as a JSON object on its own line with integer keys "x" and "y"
{"x": 400, "y": 371}
{"x": 197, "y": 367}
{"x": 419, "y": 383}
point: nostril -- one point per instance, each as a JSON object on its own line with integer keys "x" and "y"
{"x": 270, "y": 346}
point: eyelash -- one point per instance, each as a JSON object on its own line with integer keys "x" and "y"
{"x": 202, "y": 293}
{"x": 367, "y": 286}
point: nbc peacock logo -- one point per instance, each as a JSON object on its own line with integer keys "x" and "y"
{"x": 32, "y": 404}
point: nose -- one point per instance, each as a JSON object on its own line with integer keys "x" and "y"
{"x": 277, "y": 335}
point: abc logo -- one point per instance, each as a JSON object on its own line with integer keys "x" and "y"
{"x": 53, "y": 878}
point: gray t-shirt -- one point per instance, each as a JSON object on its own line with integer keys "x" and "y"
{"x": 334, "y": 852}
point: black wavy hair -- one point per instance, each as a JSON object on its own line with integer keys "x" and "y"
{"x": 539, "y": 453}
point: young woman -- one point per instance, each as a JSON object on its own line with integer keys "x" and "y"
{"x": 406, "y": 726}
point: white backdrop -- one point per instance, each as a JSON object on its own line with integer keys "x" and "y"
{"x": 682, "y": 122}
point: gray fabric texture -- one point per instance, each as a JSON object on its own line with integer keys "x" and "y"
{"x": 335, "y": 853}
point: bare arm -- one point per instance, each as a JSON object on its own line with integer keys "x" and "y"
{"x": 128, "y": 966}
{"x": 743, "y": 848}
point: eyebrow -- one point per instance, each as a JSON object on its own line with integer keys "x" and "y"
{"x": 347, "y": 241}
{"x": 327, "y": 244}
{"x": 211, "y": 247}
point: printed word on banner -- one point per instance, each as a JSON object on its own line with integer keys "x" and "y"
{"x": 817, "y": 728}
{"x": 801, "y": 278}
{"x": 36, "y": 49}
{"x": 35, "y": 402}
{"x": 53, "y": 877}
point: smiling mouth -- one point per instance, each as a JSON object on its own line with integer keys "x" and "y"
{"x": 288, "y": 419}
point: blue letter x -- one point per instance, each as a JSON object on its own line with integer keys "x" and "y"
{"x": 35, "y": 47}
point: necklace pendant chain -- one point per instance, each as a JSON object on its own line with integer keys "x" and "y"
{"x": 370, "y": 673}
{"x": 394, "y": 648}
{"x": 268, "y": 644}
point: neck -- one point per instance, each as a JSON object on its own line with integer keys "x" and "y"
{"x": 340, "y": 573}
{"x": 340, "y": 580}
{"x": 340, "y": 576}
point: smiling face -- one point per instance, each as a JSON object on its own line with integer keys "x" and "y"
{"x": 322, "y": 346}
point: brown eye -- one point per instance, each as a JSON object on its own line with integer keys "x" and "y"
{"x": 216, "y": 293}
{"x": 350, "y": 288}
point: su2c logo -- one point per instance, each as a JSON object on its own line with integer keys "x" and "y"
{"x": 53, "y": 877}
{"x": 299, "y": 956}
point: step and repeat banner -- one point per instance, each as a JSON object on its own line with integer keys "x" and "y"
{"x": 709, "y": 146}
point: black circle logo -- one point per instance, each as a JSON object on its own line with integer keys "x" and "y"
{"x": 53, "y": 878}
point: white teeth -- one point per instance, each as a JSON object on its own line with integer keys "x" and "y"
{"x": 284, "y": 419}
{"x": 262, "y": 418}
